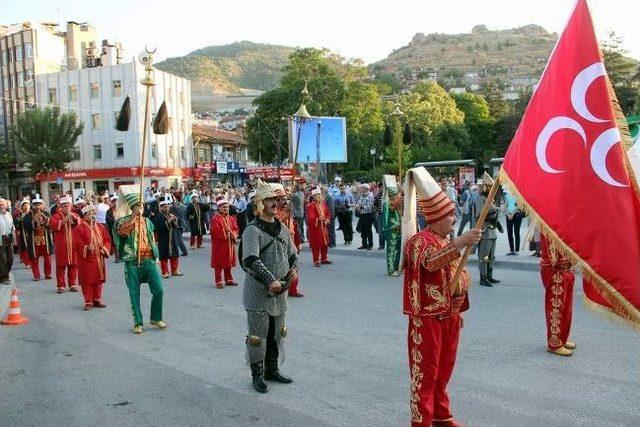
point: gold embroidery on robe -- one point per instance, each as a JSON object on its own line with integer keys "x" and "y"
{"x": 556, "y": 316}
{"x": 416, "y": 373}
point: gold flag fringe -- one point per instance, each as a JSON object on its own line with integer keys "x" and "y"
{"x": 627, "y": 314}
{"x": 625, "y": 136}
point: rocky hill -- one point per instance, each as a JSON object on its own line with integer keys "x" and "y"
{"x": 229, "y": 68}
{"x": 481, "y": 54}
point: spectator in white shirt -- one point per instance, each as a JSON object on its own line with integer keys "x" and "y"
{"x": 101, "y": 210}
{"x": 6, "y": 240}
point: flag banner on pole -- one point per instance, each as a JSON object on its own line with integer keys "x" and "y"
{"x": 567, "y": 165}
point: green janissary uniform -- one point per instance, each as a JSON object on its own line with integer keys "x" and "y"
{"x": 146, "y": 271}
{"x": 391, "y": 226}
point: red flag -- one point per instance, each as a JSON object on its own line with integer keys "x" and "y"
{"x": 567, "y": 164}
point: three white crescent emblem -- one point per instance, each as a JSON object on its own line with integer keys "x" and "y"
{"x": 603, "y": 143}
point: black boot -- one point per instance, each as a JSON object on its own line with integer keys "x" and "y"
{"x": 490, "y": 278}
{"x": 256, "y": 374}
{"x": 272, "y": 373}
{"x": 485, "y": 282}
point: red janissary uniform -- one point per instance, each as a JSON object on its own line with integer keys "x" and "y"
{"x": 63, "y": 243}
{"x": 285, "y": 217}
{"x": 91, "y": 267}
{"x": 318, "y": 234}
{"x": 557, "y": 277}
{"x": 224, "y": 233}
{"x": 434, "y": 323}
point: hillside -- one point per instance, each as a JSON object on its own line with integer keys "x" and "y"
{"x": 228, "y": 68}
{"x": 471, "y": 57}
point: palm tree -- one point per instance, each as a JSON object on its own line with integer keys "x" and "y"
{"x": 45, "y": 140}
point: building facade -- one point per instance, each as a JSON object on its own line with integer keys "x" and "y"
{"x": 107, "y": 158}
{"x": 219, "y": 155}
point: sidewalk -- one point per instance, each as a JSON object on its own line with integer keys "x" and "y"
{"x": 522, "y": 261}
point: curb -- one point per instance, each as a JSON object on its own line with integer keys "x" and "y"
{"x": 509, "y": 265}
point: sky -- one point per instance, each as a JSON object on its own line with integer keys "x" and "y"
{"x": 369, "y": 30}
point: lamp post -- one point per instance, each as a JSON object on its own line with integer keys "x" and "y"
{"x": 373, "y": 154}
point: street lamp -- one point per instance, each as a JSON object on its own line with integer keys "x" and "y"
{"x": 373, "y": 154}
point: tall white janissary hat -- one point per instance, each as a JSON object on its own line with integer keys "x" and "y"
{"x": 422, "y": 192}
{"x": 128, "y": 197}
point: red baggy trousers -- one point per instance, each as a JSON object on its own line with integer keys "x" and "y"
{"x": 433, "y": 346}
{"x": 558, "y": 303}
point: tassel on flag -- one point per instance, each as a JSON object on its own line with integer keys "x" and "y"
{"x": 161, "y": 122}
{"x": 124, "y": 116}
{"x": 387, "y": 136}
{"x": 406, "y": 135}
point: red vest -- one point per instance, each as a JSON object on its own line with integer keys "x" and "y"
{"x": 430, "y": 261}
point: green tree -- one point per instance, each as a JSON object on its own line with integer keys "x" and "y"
{"x": 46, "y": 139}
{"x": 623, "y": 72}
{"x": 479, "y": 124}
{"x": 495, "y": 99}
{"x": 427, "y": 107}
{"x": 387, "y": 83}
{"x": 506, "y": 126}
{"x": 338, "y": 87}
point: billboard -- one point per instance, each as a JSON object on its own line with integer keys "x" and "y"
{"x": 314, "y": 139}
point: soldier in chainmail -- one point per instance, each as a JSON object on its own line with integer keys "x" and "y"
{"x": 270, "y": 259}
{"x": 487, "y": 245}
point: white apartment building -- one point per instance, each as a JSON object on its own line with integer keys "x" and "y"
{"x": 106, "y": 157}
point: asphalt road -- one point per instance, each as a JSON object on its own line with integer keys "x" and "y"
{"x": 346, "y": 352}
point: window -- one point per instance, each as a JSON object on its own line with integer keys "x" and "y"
{"x": 96, "y": 121}
{"x": 154, "y": 150}
{"x": 183, "y": 153}
{"x": 53, "y": 96}
{"x": 12, "y": 81}
{"x": 73, "y": 93}
{"x": 115, "y": 118}
{"x": 119, "y": 150}
{"x": 97, "y": 152}
{"x": 6, "y": 83}
{"x": 28, "y": 81}
{"x": 9, "y": 55}
{"x": 117, "y": 88}
{"x": 171, "y": 152}
{"x": 95, "y": 90}
{"x": 31, "y": 102}
{"x": 28, "y": 50}
{"x": 20, "y": 80}
{"x": 18, "y": 53}
{"x": 76, "y": 153}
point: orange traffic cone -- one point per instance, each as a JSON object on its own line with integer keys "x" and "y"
{"x": 14, "y": 317}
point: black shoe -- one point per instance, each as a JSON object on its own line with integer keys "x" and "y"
{"x": 275, "y": 375}
{"x": 257, "y": 379}
{"x": 485, "y": 282}
{"x": 363, "y": 247}
{"x": 490, "y": 278}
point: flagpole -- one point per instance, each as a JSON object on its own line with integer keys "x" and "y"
{"x": 483, "y": 215}
{"x": 148, "y": 82}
